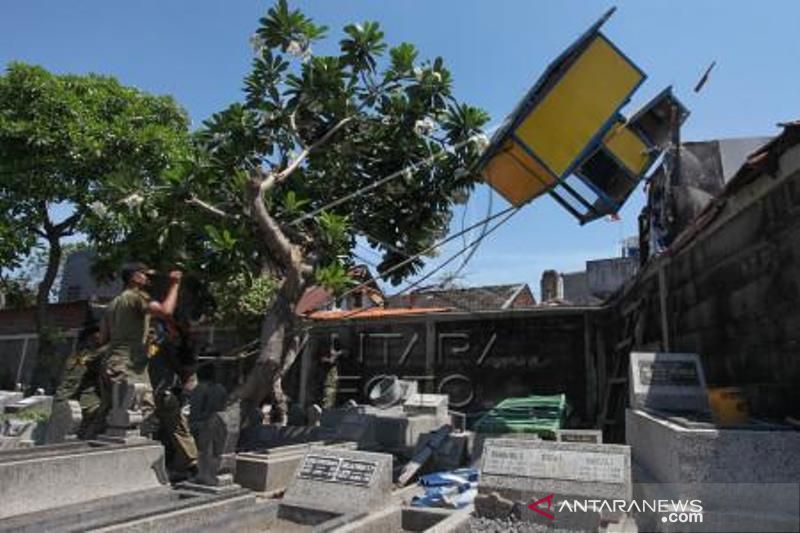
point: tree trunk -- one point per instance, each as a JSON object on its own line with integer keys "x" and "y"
{"x": 42, "y": 375}
{"x": 277, "y": 335}
{"x": 264, "y": 382}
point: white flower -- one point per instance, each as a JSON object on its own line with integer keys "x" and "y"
{"x": 256, "y": 43}
{"x": 418, "y": 73}
{"x": 481, "y": 141}
{"x": 426, "y": 126}
{"x": 296, "y": 49}
{"x": 133, "y": 200}
{"x": 437, "y": 76}
{"x": 99, "y": 208}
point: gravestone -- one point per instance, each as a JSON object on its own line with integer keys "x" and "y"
{"x": 591, "y": 436}
{"x": 341, "y": 481}
{"x": 427, "y": 404}
{"x": 64, "y": 421}
{"x": 669, "y": 382}
{"x": 7, "y": 397}
{"x": 25, "y": 422}
{"x": 216, "y": 447}
{"x": 125, "y": 417}
{"x": 32, "y": 404}
{"x": 526, "y": 471}
{"x": 272, "y": 470}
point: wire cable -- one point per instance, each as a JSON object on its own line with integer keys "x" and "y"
{"x": 388, "y": 178}
{"x": 509, "y": 213}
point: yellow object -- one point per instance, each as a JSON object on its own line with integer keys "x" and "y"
{"x": 728, "y": 406}
{"x": 516, "y": 175}
{"x": 579, "y": 105}
{"x": 628, "y": 148}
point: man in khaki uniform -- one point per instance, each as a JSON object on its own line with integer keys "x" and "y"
{"x": 81, "y": 381}
{"x": 125, "y": 328}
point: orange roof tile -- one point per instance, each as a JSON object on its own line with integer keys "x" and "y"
{"x": 374, "y": 312}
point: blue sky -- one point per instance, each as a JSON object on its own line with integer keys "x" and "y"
{"x": 198, "y": 51}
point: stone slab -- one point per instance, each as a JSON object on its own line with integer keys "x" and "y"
{"x": 522, "y": 472}
{"x": 526, "y": 470}
{"x": 672, "y": 382}
{"x": 7, "y": 396}
{"x": 341, "y": 481}
{"x": 590, "y": 436}
{"x": 401, "y": 433}
{"x": 676, "y": 454}
{"x": 64, "y": 421}
{"x": 479, "y": 441}
{"x": 427, "y": 404}
{"x": 31, "y": 404}
{"x": 42, "y": 478}
{"x": 272, "y": 470}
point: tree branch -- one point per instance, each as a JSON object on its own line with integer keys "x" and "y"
{"x": 208, "y": 208}
{"x": 277, "y": 242}
{"x": 293, "y": 126}
{"x": 68, "y": 224}
{"x": 285, "y": 173}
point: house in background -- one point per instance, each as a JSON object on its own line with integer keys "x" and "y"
{"x": 78, "y": 282}
{"x": 367, "y": 295}
{"x": 595, "y": 284}
{"x": 486, "y": 298}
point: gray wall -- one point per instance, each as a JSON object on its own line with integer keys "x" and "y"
{"x": 479, "y": 359}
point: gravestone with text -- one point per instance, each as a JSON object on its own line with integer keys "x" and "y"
{"x": 669, "y": 382}
{"x": 591, "y": 436}
{"x": 530, "y": 471}
{"x": 341, "y": 481}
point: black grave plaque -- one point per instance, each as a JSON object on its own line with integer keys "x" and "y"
{"x": 356, "y": 472}
{"x": 319, "y": 468}
{"x": 669, "y": 373}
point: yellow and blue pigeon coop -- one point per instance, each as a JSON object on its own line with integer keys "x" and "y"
{"x": 568, "y": 139}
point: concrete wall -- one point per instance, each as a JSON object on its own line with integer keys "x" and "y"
{"x": 576, "y": 288}
{"x": 732, "y": 294}
{"x": 479, "y": 359}
{"x": 606, "y": 276}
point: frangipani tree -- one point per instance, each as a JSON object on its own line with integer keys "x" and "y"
{"x": 310, "y": 130}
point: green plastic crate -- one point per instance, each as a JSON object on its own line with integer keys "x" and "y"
{"x": 541, "y": 415}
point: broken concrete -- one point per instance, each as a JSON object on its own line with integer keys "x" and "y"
{"x": 528, "y": 471}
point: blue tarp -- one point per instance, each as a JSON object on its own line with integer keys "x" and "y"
{"x": 453, "y": 489}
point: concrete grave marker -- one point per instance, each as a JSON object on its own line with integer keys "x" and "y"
{"x": 64, "y": 421}
{"x": 525, "y": 471}
{"x": 672, "y": 382}
{"x": 341, "y": 481}
{"x": 7, "y": 397}
{"x": 31, "y": 404}
{"x": 125, "y": 417}
{"x": 427, "y": 404}
{"x": 591, "y": 436}
{"x": 217, "y": 446}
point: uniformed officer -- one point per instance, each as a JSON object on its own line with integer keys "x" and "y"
{"x": 81, "y": 381}
{"x": 126, "y": 327}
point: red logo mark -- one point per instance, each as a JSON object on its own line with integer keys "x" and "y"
{"x": 534, "y": 506}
